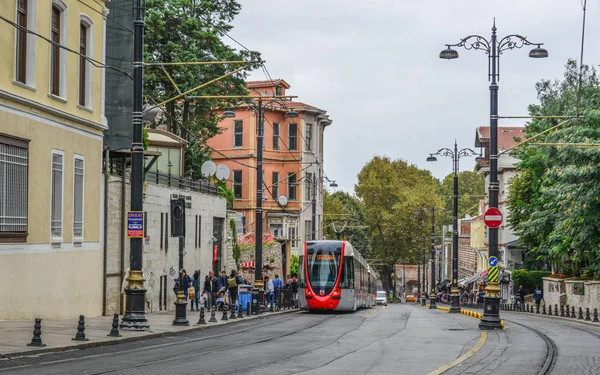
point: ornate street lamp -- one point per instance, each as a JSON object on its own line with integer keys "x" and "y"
{"x": 455, "y": 154}
{"x": 494, "y": 49}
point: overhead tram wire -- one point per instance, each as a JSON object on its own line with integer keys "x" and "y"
{"x": 124, "y": 28}
{"x": 95, "y": 63}
{"x": 581, "y": 59}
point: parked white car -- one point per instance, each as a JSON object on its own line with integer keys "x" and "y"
{"x": 381, "y": 298}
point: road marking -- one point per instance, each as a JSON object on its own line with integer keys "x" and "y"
{"x": 463, "y": 357}
{"x": 368, "y": 314}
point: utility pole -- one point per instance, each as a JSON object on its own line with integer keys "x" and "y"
{"x": 433, "y": 295}
{"x": 314, "y": 208}
{"x": 258, "y": 273}
{"x": 135, "y": 294}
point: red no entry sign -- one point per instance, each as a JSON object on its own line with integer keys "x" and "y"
{"x": 492, "y": 217}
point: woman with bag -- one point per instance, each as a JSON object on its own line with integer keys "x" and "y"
{"x": 194, "y": 291}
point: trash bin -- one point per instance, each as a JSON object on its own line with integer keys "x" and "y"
{"x": 244, "y": 296}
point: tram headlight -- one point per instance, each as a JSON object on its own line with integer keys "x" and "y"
{"x": 336, "y": 294}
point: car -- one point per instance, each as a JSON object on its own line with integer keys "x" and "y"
{"x": 381, "y": 298}
{"x": 410, "y": 298}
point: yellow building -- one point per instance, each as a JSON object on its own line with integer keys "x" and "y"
{"x": 51, "y": 127}
{"x": 478, "y": 243}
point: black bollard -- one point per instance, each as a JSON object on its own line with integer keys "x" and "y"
{"x": 596, "y": 316}
{"x": 573, "y": 312}
{"x": 580, "y": 313}
{"x": 202, "y": 320}
{"x": 80, "y": 336}
{"x": 114, "y": 332}
{"x": 224, "y": 313}
{"x": 37, "y": 334}
{"x": 249, "y": 310}
{"x": 527, "y": 308}
{"x": 232, "y": 315}
{"x": 213, "y": 318}
{"x": 587, "y": 315}
{"x": 562, "y": 310}
{"x": 568, "y": 312}
{"x": 240, "y": 312}
{"x": 544, "y": 310}
{"x": 555, "y": 309}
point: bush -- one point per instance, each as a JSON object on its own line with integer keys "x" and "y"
{"x": 529, "y": 279}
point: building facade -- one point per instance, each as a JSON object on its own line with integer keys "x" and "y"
{"x": 52, "y": 118}
{"x": 292, "y": 163}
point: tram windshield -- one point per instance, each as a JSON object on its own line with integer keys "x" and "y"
{"x": 323, "y": 260}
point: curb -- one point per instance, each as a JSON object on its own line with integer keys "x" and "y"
{"x": 472, "y": 314}
{"x": 573, "y": 320}
{"x": 192, "y": 328}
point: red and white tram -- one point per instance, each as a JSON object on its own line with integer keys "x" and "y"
{"x": 332, "y": 275}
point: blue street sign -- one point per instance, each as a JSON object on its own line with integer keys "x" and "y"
{"x": 493, "y": 262}
{"x": 135, "y": 224}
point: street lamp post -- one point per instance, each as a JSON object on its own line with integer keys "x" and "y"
{"x": 433, "y": 295}
{"x": 455, "y": 154}
{"x": 419, "y": 277}
{"x": 424, "y": 270}
{"x": 135, "y": 293}
{"x": 494, "y": 49}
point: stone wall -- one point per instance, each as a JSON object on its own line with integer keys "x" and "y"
{"x": 557, "y": 291}
{"x": 273, "y": 255}
{"x": 160, "y": 252}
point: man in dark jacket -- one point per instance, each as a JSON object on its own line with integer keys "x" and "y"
{"x": 538, "y": 294}
{"x": 232, "y": 284}
{"x": 211, "y": 287}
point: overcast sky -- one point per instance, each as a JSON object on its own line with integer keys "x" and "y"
{"x": 374, "y": 66}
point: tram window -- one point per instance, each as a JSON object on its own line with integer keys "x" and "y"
{"x": 347, "y": 280}
{"x": 301, "y": 277}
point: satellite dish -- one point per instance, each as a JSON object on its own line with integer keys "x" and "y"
{"x": 467, "y": 216}
{"x": 222, "y": 172}
{"x": 283, "y": 200}
{"x": 208, "y": 168}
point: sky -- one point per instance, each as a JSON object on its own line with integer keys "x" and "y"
{"x": 373, "y": 65}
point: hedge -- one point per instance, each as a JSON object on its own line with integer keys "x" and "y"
{"x": 529, "y": 279}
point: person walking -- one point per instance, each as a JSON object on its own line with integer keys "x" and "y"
{"x": 187, "y": 281}
{"x": 196, "y": 286}
{"x": 278, "y": 287}
{"x": 294, "y": 285}
{"x": 211, "y": 287}
{"x": 538, "y": 294}
{"x": 234, "y": 280}
{"x": 269, "y": 289}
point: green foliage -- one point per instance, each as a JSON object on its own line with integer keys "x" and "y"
{"x": 225, "y": 192}
{"x": 294, "y": 263}
{"x": 554, "y": 199}
{"x": 398, "y": 199}
{"x": 343, "y": 210}
{"x": 237, "y": 250}
{"x": 528, "y": 279}
{"x": 188, "y": 31}
{"x": 145, "y": 137}
{"x": 471, "y": 189}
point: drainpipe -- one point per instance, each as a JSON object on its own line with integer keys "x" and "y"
{"x": 123, "y": 209}
{"x": 105, "y": 260}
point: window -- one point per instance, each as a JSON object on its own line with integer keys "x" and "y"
{"x": 307, "y": 230}
{"x": 308, "y": 186}
{"x": 14, "y": 154}
{"x": 292, "y": 137}
{"x": 83, "y": 71}
{"x": 292, "y": 186}
{"x": 237, "y": 184}
{"x": 21, "y": 42}
{"x": 275, "y": 185}
{"x": 309, "y": 132}
{"x": 78, "y": 197}
{"x": 238, "y": 131}
{"x": 56, "y": 219}
{"x": 55, "y": 52}
{"x": 277, "y": 230}
{"x": 278, "y": 90}
{"x": 276, "y": 136}
{"x": 292, "y": 236}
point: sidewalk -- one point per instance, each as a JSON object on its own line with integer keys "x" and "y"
{"x": 57, "y": 334}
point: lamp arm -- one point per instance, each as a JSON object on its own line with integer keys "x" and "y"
{"x": 465, "y": 152}
{"x": 444, "y": 152}
{"x": 473, "y": 42}
{"x": 514, "y": 41}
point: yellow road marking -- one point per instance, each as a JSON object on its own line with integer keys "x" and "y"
{"x": 463, "y": 357}
{"x": 371, "y": 313}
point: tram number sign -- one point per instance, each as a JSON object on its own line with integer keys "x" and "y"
{"x": 492, "y": 217}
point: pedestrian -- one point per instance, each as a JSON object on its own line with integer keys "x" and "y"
{"x": 294, "y": 285}
{"x": 538, "y": 294}
{"x": 224, "y": 285}
{"x": 521, "y": 293}
{"x": 196, "y": 288}
{"x": 187, "y": 281}
{"x": 211, "y": 287}
{"x": 234, "y": 280}
{"x": 278, "y": 286}
{"x": 480, "y": 295}
{"x": 269, "y": 289}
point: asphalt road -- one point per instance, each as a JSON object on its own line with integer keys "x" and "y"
{"x": 398, "y": 339}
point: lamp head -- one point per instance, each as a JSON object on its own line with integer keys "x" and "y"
{"x": 449, "y": 54}
{"x": 291, "y": 114}
{"x": 431, "y": 158}
{"x": 333, "y": 184}
{"x": 228, "y": 114}
{"x": 479, "y": 158}
{"x": 538, "y": 52}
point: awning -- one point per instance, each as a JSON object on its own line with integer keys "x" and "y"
{"x": 483, "y": 273}
{"x": 247, "y": 265}
{"x": 469, "y": 280}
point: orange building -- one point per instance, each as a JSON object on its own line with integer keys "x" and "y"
{"x": 292, "y": 156}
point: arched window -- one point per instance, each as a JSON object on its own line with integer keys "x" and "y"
{"x": 58, "y": 32}
{"x": 85, "y": 51}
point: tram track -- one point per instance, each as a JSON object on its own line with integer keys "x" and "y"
{"x": 552, "y": 350}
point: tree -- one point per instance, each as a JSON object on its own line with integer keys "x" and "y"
{"x": 343, "y": 218}
{"x": 554, "y": 199}
{"x": 294, "y": 263}
{"x": 188, "y": 31}
{"x": 471, "y": 189}
{"x": 392, "y": 193}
